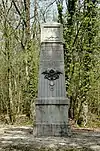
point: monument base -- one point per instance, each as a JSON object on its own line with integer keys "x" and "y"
{"x": 56, "y": 130}
{"x": 52, "y": 117}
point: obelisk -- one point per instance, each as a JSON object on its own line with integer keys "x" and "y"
{"x": 52, "y": 104}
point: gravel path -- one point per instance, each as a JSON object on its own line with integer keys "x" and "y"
{"x": 15, "y": 138}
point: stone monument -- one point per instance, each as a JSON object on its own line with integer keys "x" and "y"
{"x": 52, "y": 104}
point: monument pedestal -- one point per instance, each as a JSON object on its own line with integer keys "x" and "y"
{"x": 52, "y": 104}
{"x": 52, "y": 116}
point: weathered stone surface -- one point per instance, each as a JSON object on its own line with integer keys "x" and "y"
{"x": 52, "y": 103}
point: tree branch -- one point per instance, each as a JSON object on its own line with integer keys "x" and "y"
{"x": 19, "y": 13}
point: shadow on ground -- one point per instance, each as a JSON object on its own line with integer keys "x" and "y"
{"x": 14, "y": 138}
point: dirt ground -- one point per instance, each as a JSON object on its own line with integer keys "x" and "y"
{"x": 20, "y": 138}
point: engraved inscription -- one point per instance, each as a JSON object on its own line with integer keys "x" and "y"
{"x": 51, "y": 55}
{"x": 51, "y": 64}
{"x": 52, "y": 33}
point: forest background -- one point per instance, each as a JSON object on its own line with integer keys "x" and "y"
{"x": 19, "y": 57}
